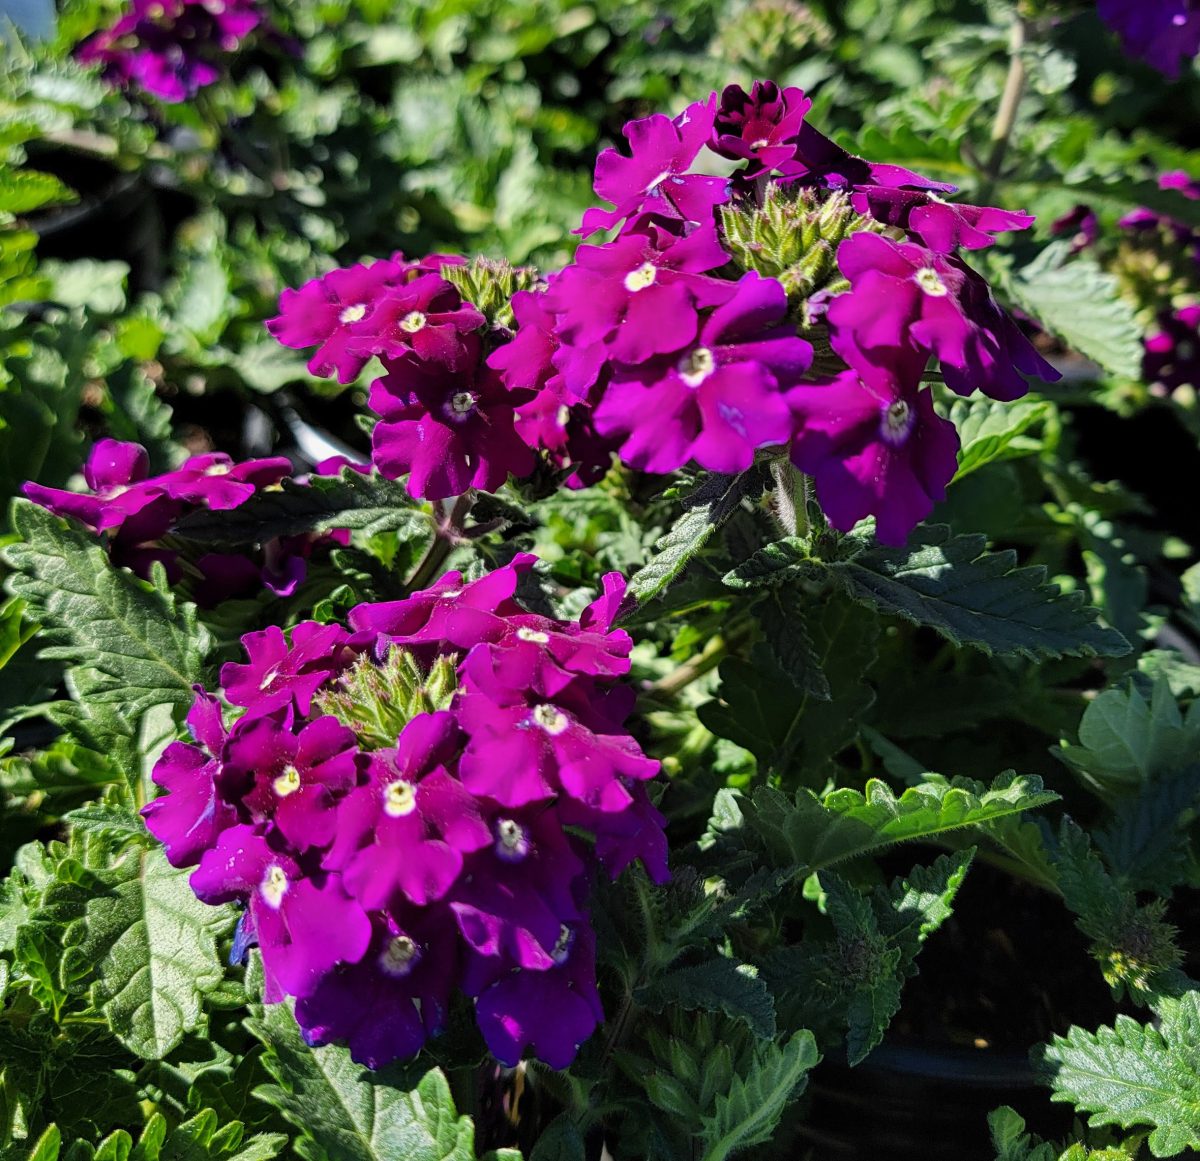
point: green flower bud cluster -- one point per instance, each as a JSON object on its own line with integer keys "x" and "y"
{"x": 1139, "y": 950}
{"x": 794, "y": 236}
{"x": 378, "y": 700}
{"x": 489, "y": 285}
{"x": 769, "y": 36}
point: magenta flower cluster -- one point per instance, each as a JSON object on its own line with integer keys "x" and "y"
{"x": 135, "y": 512}
{"x": 655, "y": 345}
{"x": 376, "y": 881}
{"x": 171, "y": 48}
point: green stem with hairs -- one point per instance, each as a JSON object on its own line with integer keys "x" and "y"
{"x": 1006, "y": 113}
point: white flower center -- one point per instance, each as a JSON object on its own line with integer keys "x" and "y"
{"x": 399, "y": 798}
{"x": 562, "y": 415}
{"x": 274, "y": 886}
{"x": 269, "y": 678}
{"x": 399, "y": 957}
{"x": 512, "y": 843}
{"x": 352, "y": 314}
{"x": 761, "y": 143}
{"x": 462, "y": 402}
{"x": 551, "y": 719}
{"x": 534, "y": 635}
{"x": 930, "y": 281}
{"x": 288, "y": 782}
{"x": 896, "y": 423}
{"x": 218, "y": 470}
{"x": 642, "y": 277}
{"x": 412, "y": 322}
{"x": 563, "y": 947}
{"x": 696, "y": 366}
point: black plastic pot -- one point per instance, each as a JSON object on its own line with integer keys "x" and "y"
{"x": 916, "y": 1103}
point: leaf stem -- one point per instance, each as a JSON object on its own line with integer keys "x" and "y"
{"x": 693, "y": 668}
{"x": 447, "y": 536}
{"x": 1010, "y": 101}
{"x": 791, "y": 497}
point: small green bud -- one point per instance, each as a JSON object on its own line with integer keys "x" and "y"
{"x": 1140, "y": 946}
{"x": 771, "y": 36}
{"x": 490, "y": 284}
{"x": 378, "y": 700}
{"x": 794, "y": 236}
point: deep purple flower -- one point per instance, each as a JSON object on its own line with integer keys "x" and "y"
{"x": 941, "y": 225}
{"x": 525, "y": 362}
{"x": 553, "y": 1011}
{"x": 818, "y": 161}
{"x": 386, "y": 1005}
{"x": 524, "y": 748}
{"x": 875, "y": 448}
{"x": 1172, "y": 357}
{"x": 277, "y": 675}
{"x": 655, "y": 176}
{"x": 304, "y": 926}
{"x": 425, "y": 316}
{"x": 171, "y": 48}
{"x": 294, "y": 780}
{"x": 516, "y": 894}
{"x": 906, "y": 297}
{"x": 717, "y": 399}
{"x": 1183, "y": 182}
{"x": 1080, "y": 224}
{"x": 406, "y": 831}
{"x": 1163, "y": 33}
{"x": 190, "y": 817}
{"x": 450, "y": 431}
{"x": 623, "y": 836}
{"x": 638, "y": 295}
{"x": 760, "y": 126}
{"x": 449, "y": 612}
{"x": 322, "y": 312}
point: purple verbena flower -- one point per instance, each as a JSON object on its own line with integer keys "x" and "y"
{"x": 655, "y": 176}
{"x": 305, "y": 926}
{"x": 171, "y": 48}
{"x": 294, "y": 780}
{"x": 718, "y": 398}
{"x": 1163, "y": 33}
{"x": 875, "y": 448}
{"x": 425, "y": 316}
{"x": 904, "y": 297}
{"x": 277, "y": 675}
{"x": 761, "y": 126}
{"x": 1080, "y": 224}
{"x": 191, "y": 816}
{"x": 322, "y": 312}
{"x": 1172, "y": 356}
{"x": 450, "y": 431}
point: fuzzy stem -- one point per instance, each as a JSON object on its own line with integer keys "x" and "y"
{"x": 695, "y": 667}
{"x": 1006, "y": 114}
{"x": 791, "y": 498}
{"x": 447, "y": 536}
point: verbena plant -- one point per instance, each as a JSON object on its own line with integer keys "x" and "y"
{"x": 593, "y": 756}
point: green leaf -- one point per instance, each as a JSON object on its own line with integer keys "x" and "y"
{"x": 1081, "y": 304}
{"x": 349, "y": 1113}
{"x": 1147, "y": 845}
{"x": 144, "y": 649}
{"x": 27, "y": 189}
{"x": 713, "y": 501}
{"x": 918, "y": 903}
{"x": 811, "y": 833}
{"x": 47, "y": 1146}
{"x": 791, "y": 727}
{"x": 774, "y": 564}
{"x": 978, "y": 598}
{"x": 369, "y": 504}
{"x": 716, "y": 985}
{"x": 990, "y": 430}
{"x": 1125, "y": 741}
{"x": 559, "y": 1141}
{"x": 155, "y": 949}
{"x": 747, "y": 1114}
{"x": 788, "y": 642}
{"x": 1134, "y": 1074}
{"x": 99, "y": 286}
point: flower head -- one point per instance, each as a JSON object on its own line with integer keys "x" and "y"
{"x": 761, "y": 126}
